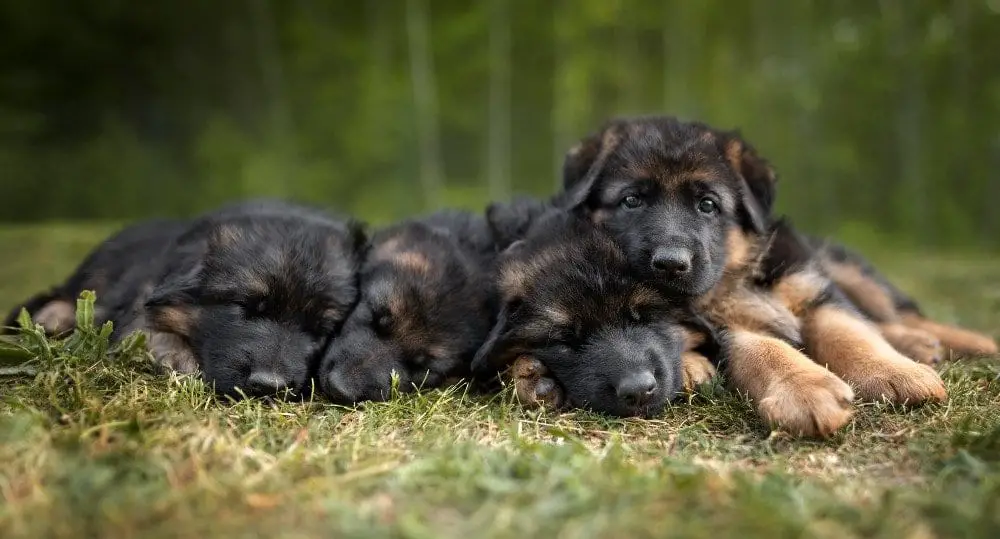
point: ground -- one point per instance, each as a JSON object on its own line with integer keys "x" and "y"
{"x": 96, "y": 445}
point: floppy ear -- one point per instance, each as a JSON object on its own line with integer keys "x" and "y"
{"x": 511, "y": 221}
{"x": 178, "y": 283}
{"x": 584, "y": 164}
{"x": 494, "y": 355}
{"x": 759, "y": 179}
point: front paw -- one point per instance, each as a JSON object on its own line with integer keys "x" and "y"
{"x": 532, "y": 385}
{"x": 696, "y": 369}
{"x": 900, "y": 381}
{"x": 812, "y": 402}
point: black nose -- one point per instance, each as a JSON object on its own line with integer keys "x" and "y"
{"x": 637, "y": 388}
{"x": 672, "y": 260}
{"x": 338, "y": 390}
{"x": 266, "y": 383}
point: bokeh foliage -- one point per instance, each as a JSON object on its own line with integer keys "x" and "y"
{"x": 881, "y": 116}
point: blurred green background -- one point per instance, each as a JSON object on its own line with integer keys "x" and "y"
{"x": 883, "y": 118}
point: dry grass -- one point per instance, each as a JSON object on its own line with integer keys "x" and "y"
{"x": 99, "y": 445}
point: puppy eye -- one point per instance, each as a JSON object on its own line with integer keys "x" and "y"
{"x": 382, "y": 324}
{"x": 631, "y": 202}
{"x": 256, "y": 307}
{"x": 707, "y": 205}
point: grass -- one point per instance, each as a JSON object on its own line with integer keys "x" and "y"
{"x": 103, "y": 444}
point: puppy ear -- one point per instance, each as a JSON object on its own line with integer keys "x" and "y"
{"x": 584, "y": 164}
{"x": 358, "y": 236}
{"x": 510, "y": 221}
{"x": 759, "y": 179}
{"x": 494, "y": 354}
{"x": 175, "y": 290}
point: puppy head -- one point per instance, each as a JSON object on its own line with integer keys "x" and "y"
{"x": 424, "y": 307}
{"x": 257, "y": 296}
{"x": 680, "y": 197}
{"x": 569, "y": 300}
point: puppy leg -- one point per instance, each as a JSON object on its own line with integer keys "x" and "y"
{"x": 171, "y": 351}
{"x": 961, "y": 341}
{"x": 790, "y": 391}
{"x": 56, "y": 316}
{"x": 697, "y": 370}
{"x": 532, "y": 385}
{"x": 855, "y": 350}
{"x": 918, "y": 345}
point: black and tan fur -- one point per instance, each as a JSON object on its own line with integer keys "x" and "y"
{"x": 758, "y": 282}
{"x": 425, "y": 304}
{"x": 575, "y": 326}
{"x": 249, "y": 296}
{"x": 111, "y": 270}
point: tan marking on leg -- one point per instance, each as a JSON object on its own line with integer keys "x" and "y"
{"x": 863, "y": 291}
{"x": 532, "y": 385}
{"x": 916, "y": 344}
{"x": 854, "y": 349}
{"x": 790, "y": 391}
{"x": 697, "y": 370}
{"x": 961, "y": 341}
{"x": 798, "y": 291}
{"x": 56, "y": 316}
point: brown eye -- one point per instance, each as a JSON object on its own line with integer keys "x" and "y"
{"x": 707, "y": 205}
{"x": 631, "y": 202}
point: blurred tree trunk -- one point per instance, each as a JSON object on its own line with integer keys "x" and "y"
{"x": 561, "y": 118}
{"x": 498, "y": 151}
{"x": 281, "y": 130}
{"x": 425, "y": 101}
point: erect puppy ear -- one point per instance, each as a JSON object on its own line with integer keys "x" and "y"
{"x": 584, "y": 164}
{"x": 759, "y": 179}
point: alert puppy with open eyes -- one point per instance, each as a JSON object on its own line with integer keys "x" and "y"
{"x": 426, "y": 298}
{"x": 576, "y": 328}
{"x": 249, "y": 296}
{"x": 692, "y": 206}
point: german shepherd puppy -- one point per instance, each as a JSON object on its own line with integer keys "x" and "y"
{"x": 249, "y": 295}
{"x": 573, "y": 318}
{"x": 110, "y": 270}
{"x": 897, "y": 314}
{"x": 692, "y": 206}
{"x": 425, "y": 305}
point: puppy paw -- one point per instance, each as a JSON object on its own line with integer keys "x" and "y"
{"x": 812, "y": 402}
{"x": 696, "y": 370}
{"x": 532, "y": 385}
{"x": 56, "y": 316}
{"x": 170, "y": 351}
{"x": 900, "y": 381}
{"x": 916, "y": 344}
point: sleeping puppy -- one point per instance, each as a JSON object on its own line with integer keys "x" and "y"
{"x": 692, "y": 207}
{"x": 425, "y": 305}
{"x": 109, "y": 270}
{"x": 577, "y": 328}
{"x": 249, "y": 296}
